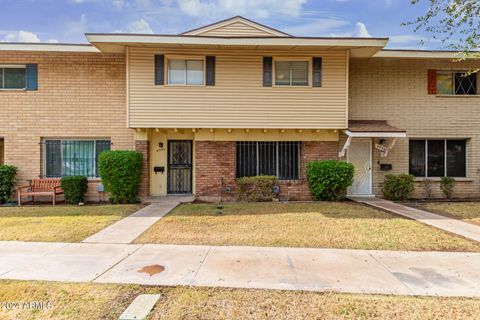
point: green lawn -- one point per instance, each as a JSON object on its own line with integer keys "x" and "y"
{"x": 321, "y": 225}
{"x": 107, "y": 301}
{"x": 62, "y": 223}
{"x": 466, "y": 211}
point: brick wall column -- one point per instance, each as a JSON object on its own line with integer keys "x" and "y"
{"x": 214, "y": 166}
{"x": 143, "y": 146}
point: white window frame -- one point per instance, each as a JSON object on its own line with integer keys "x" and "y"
{"x": 44, "y": 152}
{"x": 453, "y": 73}
{"x": 292, "y": 59}
{"x": 13, "y": 66}
{"x": 185, "y": 59}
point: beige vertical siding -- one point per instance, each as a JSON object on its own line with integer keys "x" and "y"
{"x": 236, "y": 29}
{"x": 396, "y": 90}
{"x": 238, "y": 100}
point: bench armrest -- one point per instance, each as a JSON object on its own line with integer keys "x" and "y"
{"x": 22, "y": 187}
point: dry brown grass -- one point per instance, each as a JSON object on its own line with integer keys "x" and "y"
{"x": 466, "y": 211}
{"x": 321, "y": 225}
{"x": 60, "y": 223}
{"x": 107, "y": 301}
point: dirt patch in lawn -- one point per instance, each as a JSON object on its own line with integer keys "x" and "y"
{"x": 108, "y": 301}
{"x": 64, "y": 223}
{"x": 345, "y": 225}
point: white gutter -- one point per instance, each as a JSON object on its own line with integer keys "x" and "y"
{"x": 375, "y": 134}
{"x": 267, "y": 41}
{"x": 420, "y": 54}
{"x": 48, "y": 47}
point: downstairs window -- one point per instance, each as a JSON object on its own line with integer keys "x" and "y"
{"x": 437, "y": 158}
{"x": 73, "y": 157}
{"x": 280, "y": 159}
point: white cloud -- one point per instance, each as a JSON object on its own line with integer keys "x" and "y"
{"x": 20, "y": 36}
{"x": 140, "y": 26}
{"x": 52, "y": 41}
{"x": 361, "y": 30}
{"x": 316, "y": 27}
{"x": 251, "y": 8}
{"x": 78, "y": 26}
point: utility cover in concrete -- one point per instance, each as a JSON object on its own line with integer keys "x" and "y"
{"x": 140, "y": 307}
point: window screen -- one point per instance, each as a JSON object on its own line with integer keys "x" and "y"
{"x": 291, "y": 73}
{"x": 280, "y": 159}
{"x": 73, "y": 157}
{"x": 13, "y": 78}
{"x": 437, "y": 158}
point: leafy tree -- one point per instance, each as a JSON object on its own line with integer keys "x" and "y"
{"x": 456, "y": 23}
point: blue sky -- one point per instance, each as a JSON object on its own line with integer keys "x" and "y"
{"x": 66, "y": 21}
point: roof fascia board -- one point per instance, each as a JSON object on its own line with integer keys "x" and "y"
{"x": 263, "y": 41}
{"x": 418, "y": 54}
{"x": 48, "y": 47}
{"x": 375, "y": 134}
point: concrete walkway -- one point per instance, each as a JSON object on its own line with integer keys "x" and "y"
{"x": 129, "y": 228}
{"x": 455, "y": 226}
{"x": 355, "y": 271}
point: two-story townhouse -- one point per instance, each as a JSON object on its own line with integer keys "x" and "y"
{"x": 237, "y": 98}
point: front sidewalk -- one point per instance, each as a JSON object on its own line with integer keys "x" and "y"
{"x": 131, "y": 227}
{"x": 354, "y": 271}
{"x": 455, "y": 226}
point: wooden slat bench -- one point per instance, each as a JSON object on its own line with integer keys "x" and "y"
{"x": 40, "y": 187}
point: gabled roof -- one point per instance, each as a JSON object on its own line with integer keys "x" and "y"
{"x": 237, "y": 26}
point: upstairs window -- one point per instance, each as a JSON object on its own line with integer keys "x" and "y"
{"x": 456, "y": 83}
{"x": 185, "y": 72}
{"x": 73, "y": 157}
{"x": 13, "y": 77}
{"x": 280, "y": 159}
{"x": 291, "y": 73}
{"x": 437, "y": 158}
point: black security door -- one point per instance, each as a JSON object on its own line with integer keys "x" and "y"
{"x": 180, "y": 166}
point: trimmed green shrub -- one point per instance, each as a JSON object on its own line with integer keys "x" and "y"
{"x": 256, "y": 189}
{"x": 7, "y": 182}
{"x": 329, "y": 179}
{"x": 398, "y": 187}
{"x": 447, "y": 184}
{"x": 120, "y": 172}
{"x": 74, "y": 188}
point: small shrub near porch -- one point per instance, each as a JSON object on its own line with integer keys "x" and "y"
{"x": 120, "y": 172}
{"x": 398, "y": 187}
{"x": 7, "y": 182}
{"x": 329, "y": 179}
{"x": 74, "y": 188}
{"x": 256, "y": 189}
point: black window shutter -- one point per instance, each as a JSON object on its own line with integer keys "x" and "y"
{"x": 210, "y": 79}
{"x": 267, "y": 71}
{"x": 31, "y": 77}
{"x": 159, "y": 70}
{"x": 316, "y": 72}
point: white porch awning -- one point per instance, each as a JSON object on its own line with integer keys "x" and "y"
{"x": 372, "y": 129}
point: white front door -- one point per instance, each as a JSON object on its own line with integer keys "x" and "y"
{"x": 360, "y": 155}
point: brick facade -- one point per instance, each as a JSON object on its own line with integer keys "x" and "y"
{"x": 396, "y": 90}
{"x": 80, "y": 95}
{"x": 215, "y": 169}
{"x": 143, "y": 146}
